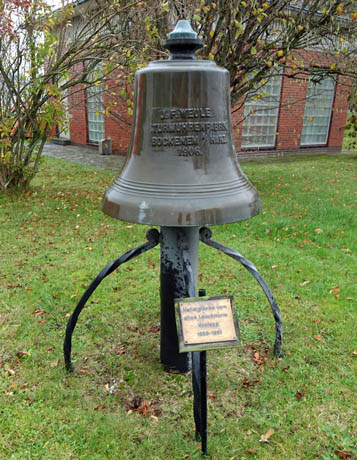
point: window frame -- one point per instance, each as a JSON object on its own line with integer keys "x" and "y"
{"x": 276, "y": 109}
{"x": 305, "y": 116}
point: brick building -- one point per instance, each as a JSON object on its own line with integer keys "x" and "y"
{"x": 291, "y": 114}
{"x": 295, "y": 116}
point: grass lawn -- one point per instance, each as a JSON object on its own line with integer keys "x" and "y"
{"x": 118, "y": 403}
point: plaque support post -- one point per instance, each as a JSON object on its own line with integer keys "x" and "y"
{"x": 199, "y": 386}
{"x": 175, "y": 241}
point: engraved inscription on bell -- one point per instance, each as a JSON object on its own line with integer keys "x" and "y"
{"x": 188, "y": 131}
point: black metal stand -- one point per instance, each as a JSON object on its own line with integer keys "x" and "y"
{"x": 179, "y": 257}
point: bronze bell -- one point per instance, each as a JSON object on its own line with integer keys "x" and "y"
{"x": 182, "y": 169}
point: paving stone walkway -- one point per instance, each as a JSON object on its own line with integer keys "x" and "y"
{"x": 84, "y": 155}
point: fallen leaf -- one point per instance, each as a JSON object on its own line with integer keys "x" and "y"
{"x": 265, "y": 437}
{"x": 39, "y": 312}
{"x": 273, "y": 267}
{"x": 98, "y": 407}
{"x": 250, "y": 451}
{"x": 343, "y": 454}
{"x": 31, "y": 401}
{"x": 319, "y": 338}
{"x": 249, "y": 383}
{"x": 334, "y": 290}
{"x": 299, "y": 395}
{"x": 20, "y": 354}
{"x": 354, "y": 352}
{"x": 54, "y": 363}
{"x": 304, "y": 283}
{"x": 142, "y": 406}
{"x": 318, "y": 230}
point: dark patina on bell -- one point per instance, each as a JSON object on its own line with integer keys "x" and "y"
{"x": 182, "y": 167}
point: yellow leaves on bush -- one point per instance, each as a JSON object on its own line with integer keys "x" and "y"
{"x": 339, "y": 9}
{"x": 280, "y": 53}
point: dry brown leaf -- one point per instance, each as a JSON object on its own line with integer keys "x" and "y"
{"x": 265, "y": 437}
{"x": 299, "y": 395}
{"x": 343, "y": 454}
{"x": 249, "y": 383}
{"x": 98, "y": 407}
{"x": 319, "y": 338}
{"x": 20, "y": 354}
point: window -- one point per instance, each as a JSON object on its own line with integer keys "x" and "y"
{"x": 261, "y": 115}
{"x": 317, "y": 116}
{"x": 95, "y": 107}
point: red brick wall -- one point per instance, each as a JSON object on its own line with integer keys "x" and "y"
{"x": 291, "y": 113}
{"x": 78, "y": 125}
{"x": 339, "y": 115}
{"x": 118, "y": 125}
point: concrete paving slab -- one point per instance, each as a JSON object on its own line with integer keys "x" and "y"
{"x": 88, "y": 156}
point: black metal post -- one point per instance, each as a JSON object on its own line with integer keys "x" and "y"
{"x": 175, "y": 240}
{"x": 203, "y": 377}
{"x": 199, "y": 385}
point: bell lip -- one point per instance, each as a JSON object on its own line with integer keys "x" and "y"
{"x": 168, "y": 217}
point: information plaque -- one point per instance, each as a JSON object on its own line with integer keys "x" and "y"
{"x": 206, "y": 323}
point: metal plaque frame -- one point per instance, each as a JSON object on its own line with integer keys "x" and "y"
{"x": 202, "y": 344}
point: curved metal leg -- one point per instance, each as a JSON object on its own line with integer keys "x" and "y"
{"x": 205, "y": 237}
{"x": 153, "y": 237}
